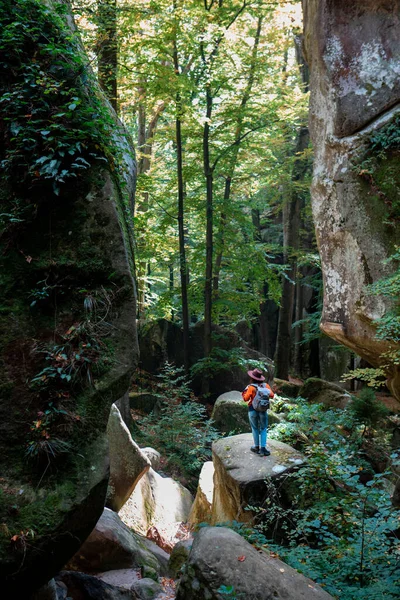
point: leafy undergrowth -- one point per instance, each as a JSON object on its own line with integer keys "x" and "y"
{"x": 178, "y": 428}
{"x": 340, "y": 529}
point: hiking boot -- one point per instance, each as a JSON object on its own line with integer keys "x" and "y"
{"x": 264, "y": 452}
{"x": 255, "y": 449}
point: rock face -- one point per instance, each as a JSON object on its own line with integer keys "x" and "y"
{"x": 230, "y": 413}
{"x": 353, "y": 52}
{"x": 127, "y": 462}
{"x": 159, "y": 502}
{"x": 112, "y": 545}
{"x": 80, "y": 585}
{"x": 221, "y": 557}
{"x": 202, "y": 505}
{"x": 323, "y": 392}
{"x": 161, "y": 341}
{"x": 68, "y": 341}
{"x": 240, "y": 475}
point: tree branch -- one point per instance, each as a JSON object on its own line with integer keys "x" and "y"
{"x": 236, "y": 143}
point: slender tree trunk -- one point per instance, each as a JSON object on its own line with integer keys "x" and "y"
{"x": 107, "y": 48}
{"x": 171, "y": 287}
{"x": 221, "y": 238}
{"x": 145, "y": 149}
{"x": 181, "y": 222}
{"x": 209, "y": 227}
{"x": 291, "y": 227}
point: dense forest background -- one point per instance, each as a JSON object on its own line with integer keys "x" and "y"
{"x": 215, "y": 95}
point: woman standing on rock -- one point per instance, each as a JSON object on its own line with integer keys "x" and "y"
{"x": 253, "y": 395}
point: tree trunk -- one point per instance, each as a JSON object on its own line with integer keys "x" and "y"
{"x": 181, "y": 222}
{"x": 107, "y": 54}
{"x": 209, "y": 228}
{"x": 291, "y": 227}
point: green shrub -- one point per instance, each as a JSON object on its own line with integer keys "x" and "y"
{"x": 366, "y": 409}
{"x": 179, "y": 429}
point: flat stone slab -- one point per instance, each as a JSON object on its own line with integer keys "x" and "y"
{"x": 122, "y": 578}
{"x": 244, "y": 466}
{"x": 241, "y": 477}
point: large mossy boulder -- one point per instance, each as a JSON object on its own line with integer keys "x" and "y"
{"x": 352, "y": 50}
{"x": 231, "y": 414}
{"x": 242, "y": 478}
{"x": 287, "y": 389}
{"x": 220, "y": 559}
{"x": 68, "y": 342}
{"x": 323, "y": 392}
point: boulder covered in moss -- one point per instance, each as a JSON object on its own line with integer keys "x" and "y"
{"x": 68, "y": 342}
{"x": 288, "y": 389}
{"x": 145, "y": 401}
{"x": 323, "y": 392}
{"x": 231, "y": 414}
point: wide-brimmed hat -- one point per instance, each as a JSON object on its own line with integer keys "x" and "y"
{"x": 256, "y": 375}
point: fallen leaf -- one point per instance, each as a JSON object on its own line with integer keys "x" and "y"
{"x": 241, "y": 558}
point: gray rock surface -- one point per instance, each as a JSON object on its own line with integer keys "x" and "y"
{"x": 81, "y": 586}
{"x": 154, "y": 457}
{"x": 112, "y": 545}
{"x": 179, "y": 556}
{"x": 230, "y": 413}
{"x": 323, "y": 392}
{"x": 240, "y": 475}
{"x": 128, "y": 463}
{"x": 353, "y": 53}
{"x": 146, "y": 589}
{"x": 221, "y": 557}
{"x": 121, "y": 578}
{"x": 161, "y": 555}
{"x": 159, "y": 502}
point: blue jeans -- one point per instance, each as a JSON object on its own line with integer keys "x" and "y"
{"x": 259, "y": 423}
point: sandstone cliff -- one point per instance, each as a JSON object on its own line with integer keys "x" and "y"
{"x": 353, "y": 52}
